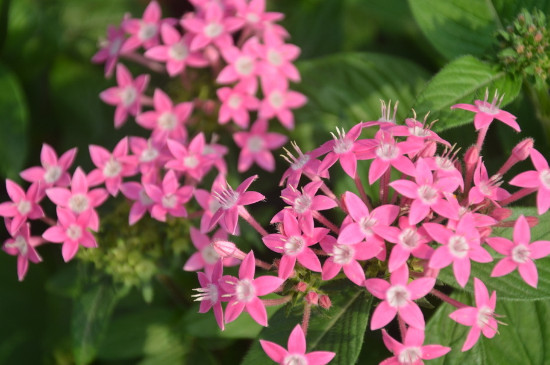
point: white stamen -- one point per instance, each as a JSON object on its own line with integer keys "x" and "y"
{"x": 79, "y": 203}
{"x": 178, "y": 51}
{"x": 52, "y": 174}
{"x": 458, "y": 246}
{"x": 245, "y": 291}
{"x": 112, "y": 168}
{"x": 342, "y": 254}
{"x": 398, "y": 296}
{"x": 521, "y": 254}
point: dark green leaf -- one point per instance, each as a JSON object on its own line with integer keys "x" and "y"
{"x": 509, "y": 9}
{"x": 462, "y": 81}
{"x": 457, "y": 27}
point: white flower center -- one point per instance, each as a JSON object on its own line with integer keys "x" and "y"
{"x": 213, "y": 293}
{"x": 145, "y": 199}
{"x": 444, "y": 163}
{"x": 409, "y": 238}
{"x": 214, "y": 205}
{"x": 128, "y": 95}
{"x": 409, "y": 355}
{"x": 167, "y": 121}
{"x": 169, "y": 201}
{"x": 418, "y": 131}
{"x": 487, "y": 108}
{"x": 295, "y": 359}
{"x": 458, "y": 246}
{"x": 190, "y": 162}
{"x": 427, "y": 194}
{"x": 299, "y": 162}
{"x": 79, "y": 203}
{"x": 228, "y": 198}
{"x": 398, "y": 296}
{"x": 234, "y": 101}
{"x": 276, "y": 99}
{"x": 252, "y": 18}
{"x": 342, "y": 254}
{"x": 545, "y": 178}
{"x": 149, "y": 154}
{"x": 294, "y": 245}
{"x": 20, "y": 244}
{"x": 302, "y": 203}
{"x": 387, "y": 151}
{"x": 52, "y": 174}
{"x": 255, "y": 144}
{"x": 112, "y": 168}
{"x": 366, "y": 224}
{"x": 245, "y": 291}
{"x": 244, "y": 65}
{"x": 147, "y": 31}
{"x": 484, "y": 315}
{"x": 274, "y": 57}
{"x": 74, "y": 232}
{"x": 342, "y": 145}
{"x": 520, "y": 254}
{"x": 209, "y": 255}
{"x": 213, "y": 30}
{"x": 24, "y": 207}
{"x": 178, "y": 51}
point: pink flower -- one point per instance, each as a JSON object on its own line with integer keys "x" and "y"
{"x": 398, "y": 296}
{"x": 236, "y": 104}
{"x": 136, "y": 192}
{"x": 254, "y": 14}
{"x": 168, "y": 198}
{"x": 480, "y": 317}
{"x": 244, "y": 292}
{"x": 277, "y": 103}
{"x": 411, "y": 351}
{"x": 256, "y": 145}
{"x": 305, "y": 163}
{"x": 144, "y": 31}
{"x": 190, "y": 159}
{"x": 110, "y": 49}
{"x": 207, "y": 256}
{"x": 485, "y": 187}
{"x": 241, "y": 65}
{"x": 230, "y": 200}
{"x": 127, "y": 96}
{"x": 22, "y": 245}
{"x": 167, "y": 121}
{"x": 151, "y": 154}
{"x": 486, "y": 112}
{"x": 294, "y": 246}
{"x": 520, "y": 253}
{"x": 342, "y": 148}
{"x": 539, "y": 179}
{"x": 72, "y": 231}
{"x": 211, "y": 293}
{"x": 111, "y": 167}
{"x": 296, "y": 353}
{"x": 459, "y": 247}
{"x": 53, "y": 170}
{"x": 175, "y": 52}
{"x": 209, "y": 202}
{"x": 277, "y": 57}
{"x": 24, "y": 205}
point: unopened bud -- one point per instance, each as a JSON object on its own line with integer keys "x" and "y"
{"x": 301, "y": 286}
{"x": 324, "y": 302}
{"x": 472, "y": 156}
{"x": 522, "y": 150}
{"x": 312, "y": 298}
{"x": 538, "y": 37}
{"x": 501, "y": 214}
{"x": 428, "y": 150}
{"x": 532, "y": 221}
{"x": 228, "y": 249}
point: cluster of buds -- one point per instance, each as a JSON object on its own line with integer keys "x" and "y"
{"x": 441, "y": 211}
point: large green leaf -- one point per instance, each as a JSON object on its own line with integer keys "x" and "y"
{"x": 340, "y": 329}
{"x": 13, "y": 124}
{"x": 457, "y": 27}
{"x": 523, "y": 341}
{"x": 508, "y": 9}
{"x": 512, "y": 286}
{"x": 462, "y": 81}
{"x": 345, "y": 89}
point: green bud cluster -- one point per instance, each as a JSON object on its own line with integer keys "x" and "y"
{"x": 524, "y": 47}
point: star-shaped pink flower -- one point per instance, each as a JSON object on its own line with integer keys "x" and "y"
{"x": 210, "y": 294}
{"x": 53, "y": 170}
{"x": 411, "y": 351}
{"x": 24, "y": 205}
{"x": 22, "y": 245}
{"x": 539, "y": 179}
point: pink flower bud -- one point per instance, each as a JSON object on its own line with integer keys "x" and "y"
{"x": 501, "y": 214}
{"x": 522, "y": 150}
{"x": 429, "y": 149}
{"x": 312, "y": 298}
{"x": 228, "y": 249}
{"x": 471, "y": 157}
{"x": 301, "y": 286}
{"x": 324, "y": 302}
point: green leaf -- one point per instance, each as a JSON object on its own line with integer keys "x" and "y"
{"x": 340, "y": 329}
{"x": 457, "y": 27}
{"x": 523, "y": 341}
{"x": 345, "y": 89}
{"x": 462, "y": 81}
{"x": 91, "y": 314}
{"x": 13, "y": 124}
{"x": 509, "y": 9}
{"x": 511, "y": 286}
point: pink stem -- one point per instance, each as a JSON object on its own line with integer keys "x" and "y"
{"x": 362, "y": 192}
{"x": 144, "y": 61}
{"x": 517, "y": 195}
{"x": 250, "y": 220}
{"x": 324, "y": 221}
{"x": 446, "y": 298}
{"x": 305, "y": 318}
{"x": 278, "y": 301}
{"x": 384, "y": 186}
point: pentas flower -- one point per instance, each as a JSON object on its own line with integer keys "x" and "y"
{"x": 126, "y": 96}
{"x": 175, "y": 51}
{"x": 520, "y": 253}
{"x": 22, "y": 245}
{"x": 142, "y": 202}
{"x": 230, "y": 200}
{"x": 417, "y": 133}
{"x": 72, "y": 231}
{"x": 209, "y": 202}
{"x": 294, "y": 246}
{"x": 236, "y": 104}
{"x": 215, "y": 153}
{"x": 191, "y": 159}
{"x": 296, "y": 353}
{"x": 343, "y": 149}
{"x": 485, "y": 187}
{"x": 144, "y": 32}
{"x": 151, "y": 154}
{"x": 276, "y": 58}
{"x": 411, "y": 351}
{"x": 444, "y": 166}
{"x": 53, "y": 170}
{"x": 110, "y": 49}
{"x": 244, "y": 292}
{"x": 303, "y": 163}
{"x": 458, "y": 247}
{"x": 256, "y": 145}
{"x": 427, "y": 194}
{"x": 212, "y": 27}
{"x": 241, "y": 65}
{"x": 487, "y": 112}
{"x": 210, "y": 294}
{"x": 111, "y": 167}
{"x": 539, "y": 179}
{"x": 167, "y": 121}
{"x": 480, "y": 318}
{"x": 79, "y": 199}
{"x": 345, "y": 257}
{"x": 278, "y": 101}
{"x": 207, "y": 257}
{"x": 397, "y": 298}
{"x": 24, "y": 205}
{"x": 168, "y": 198}
{"x": 254, "y": 14}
